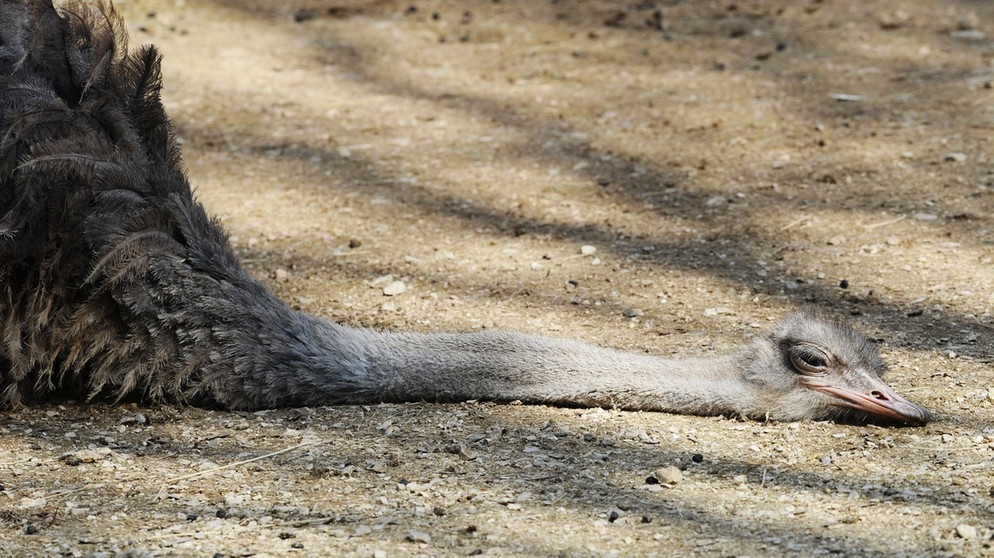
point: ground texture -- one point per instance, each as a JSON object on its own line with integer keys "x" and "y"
{"x": 441, "y": 165}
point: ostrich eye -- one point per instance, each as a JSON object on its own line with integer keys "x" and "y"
{"x": 809, "y": 360}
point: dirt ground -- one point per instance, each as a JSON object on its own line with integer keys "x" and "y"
{"x": 729, "y": 161}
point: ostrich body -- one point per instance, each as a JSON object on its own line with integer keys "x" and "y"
{"x": 114, "y": 281}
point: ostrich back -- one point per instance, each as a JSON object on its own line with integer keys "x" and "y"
{"x": 98, "y": 226}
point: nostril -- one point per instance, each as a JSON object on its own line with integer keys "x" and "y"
{"x": 879, "y": 395}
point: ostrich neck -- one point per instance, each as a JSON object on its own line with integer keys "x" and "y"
{"x": 510, "y": 366}
{"x": 307, "y": 361}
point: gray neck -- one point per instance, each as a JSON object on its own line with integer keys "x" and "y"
{"x": 359, "y": 366}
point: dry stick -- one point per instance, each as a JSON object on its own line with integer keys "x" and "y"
{"x": 237, "y": 463}
{"x": 349, "y": 253}
{"x": 794, "y": 223}
{"x": 67, "y": 493}
{"x": 872, "y": 226}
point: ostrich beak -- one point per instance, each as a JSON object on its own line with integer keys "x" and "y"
{"x": 875, "y": 398}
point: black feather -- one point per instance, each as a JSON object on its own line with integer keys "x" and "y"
{"x": 89, "y": 182}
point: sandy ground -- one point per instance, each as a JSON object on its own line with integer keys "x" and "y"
{"x": 729, "y": 161}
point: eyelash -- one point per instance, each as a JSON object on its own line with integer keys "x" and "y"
{"x": 809, "y": 360}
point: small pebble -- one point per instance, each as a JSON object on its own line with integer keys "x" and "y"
{"x": 27, "y": 503}
{"x": 697, "y": 458}
{"x": 966, "y": 531}
{"x": 969, "y": 35}
{"x": 955, "y": 157}
{"x": 85, "y": 456}
{"x": 781, "y": 162}
{"x": 301, "y": 16}
{"x": 587, "y": 250}
{"x": 362, "y": 530}
{"x": 844, "y": 284}
{"x": 136, "y": 419}
{"x": 394, "y": 288}
{"x": 415, "y": 535}
{"x": 711, "y": 312}
{"x": 925, "y": 216}
{"x": 847, "y": 98}
{"x": 668, "y": 475}
{"x": 282, "y": 275}
{"x": 381, "y": 280}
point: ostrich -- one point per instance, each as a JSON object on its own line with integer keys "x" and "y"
{"x": 115, "y": 282}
